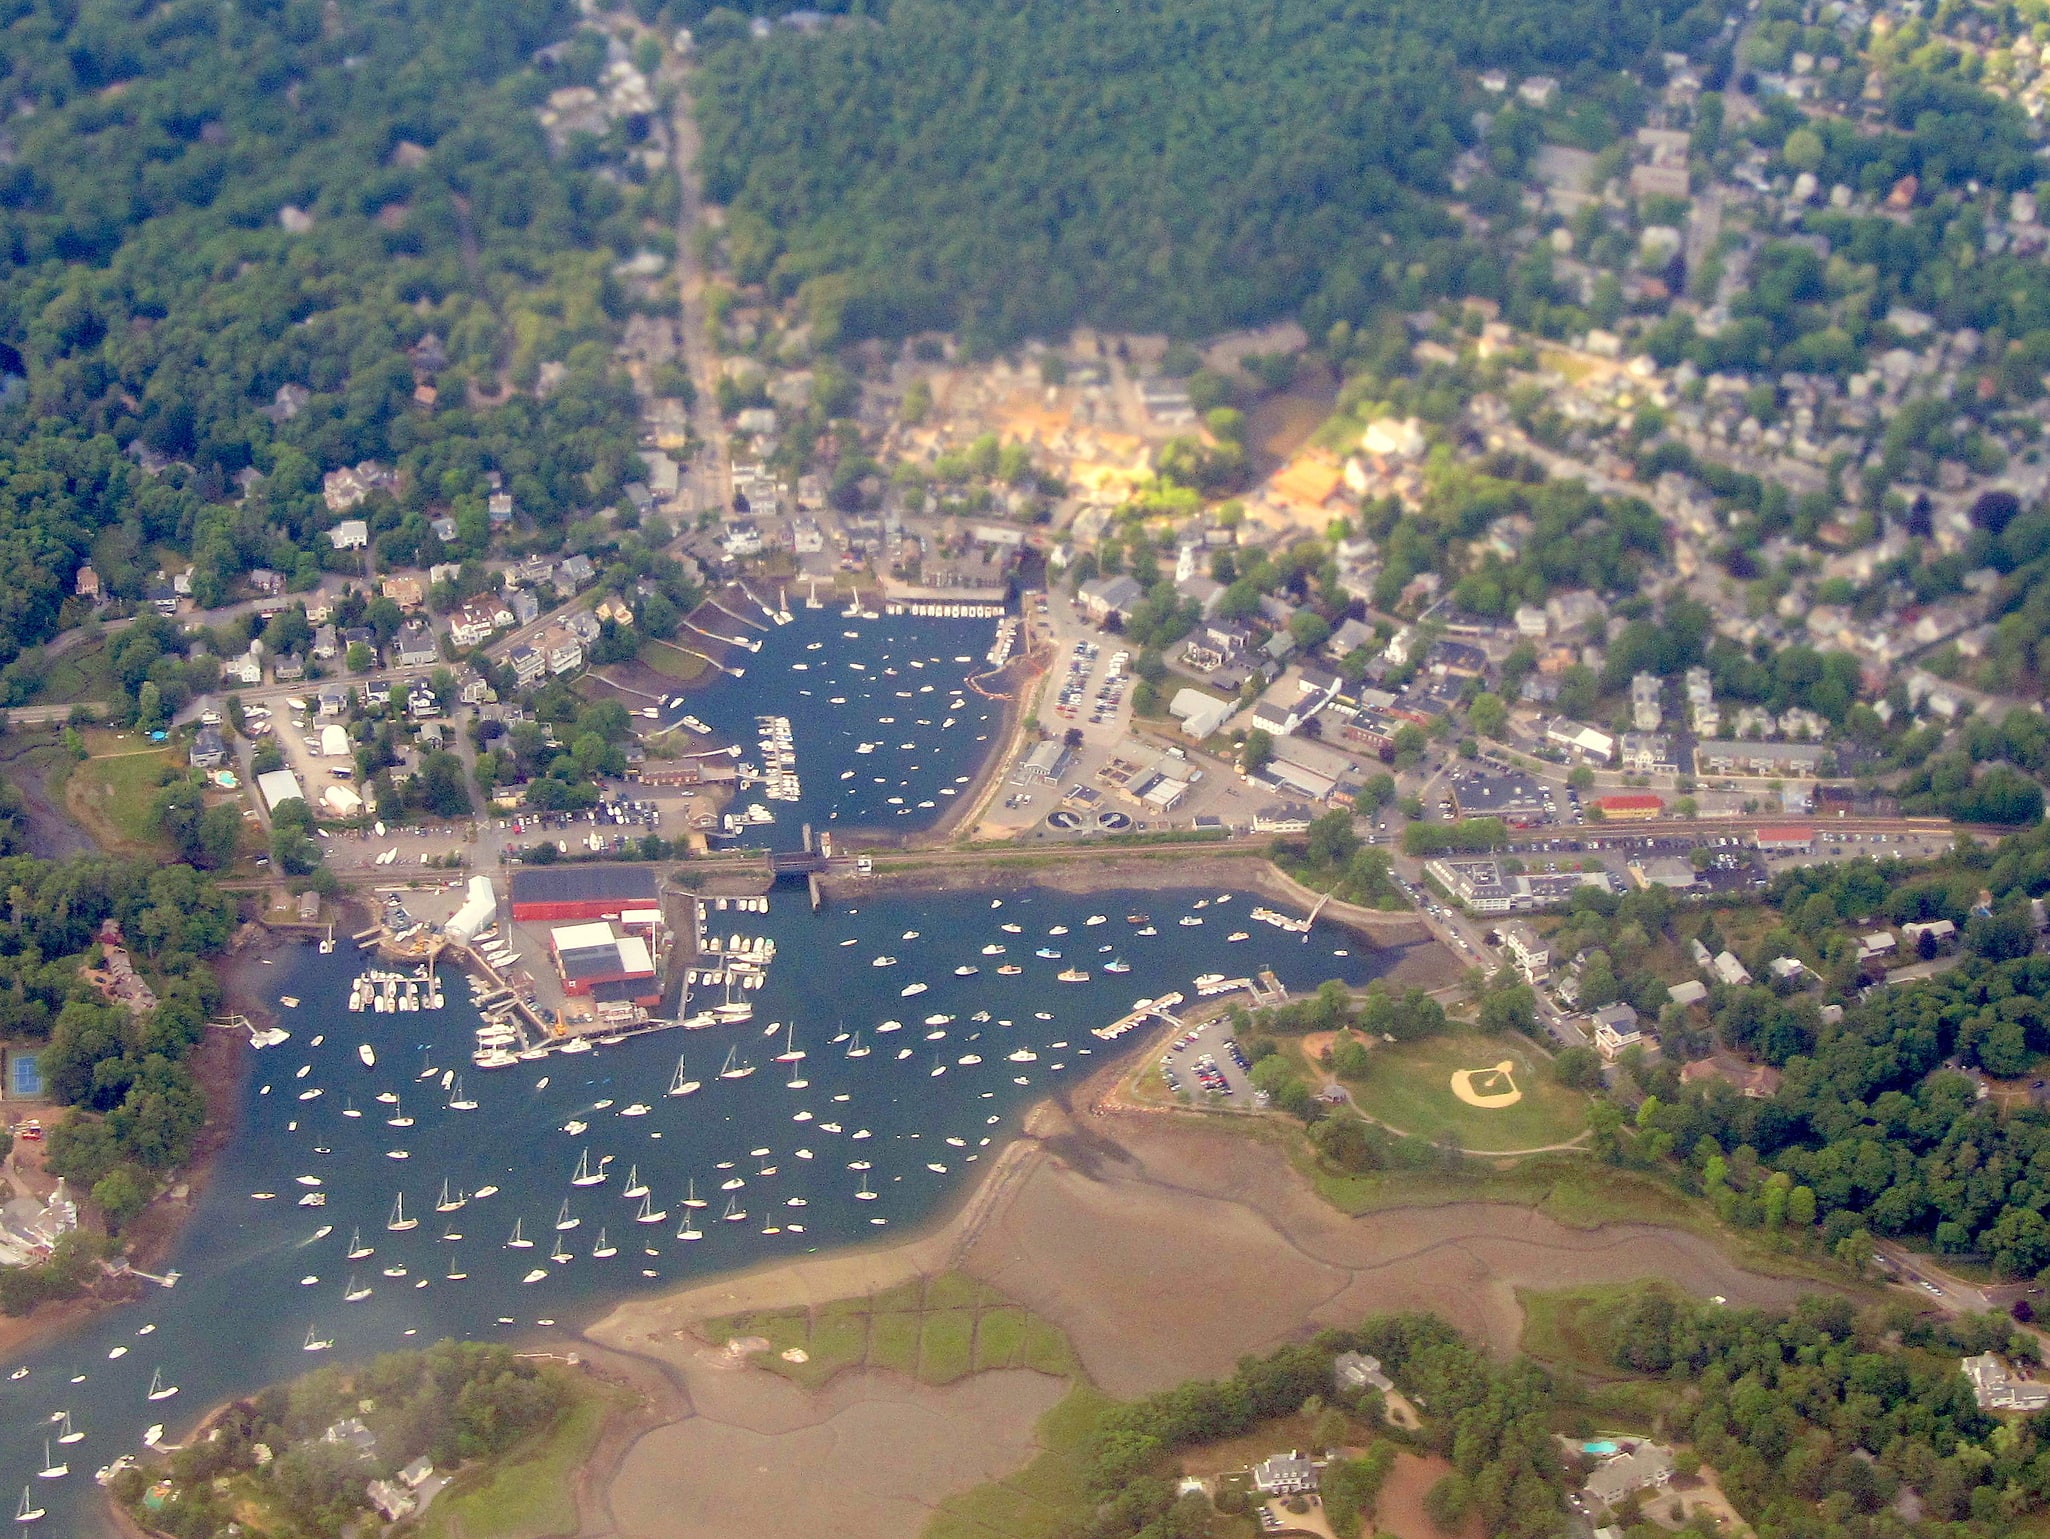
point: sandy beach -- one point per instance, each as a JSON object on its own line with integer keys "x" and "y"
{"x": 1164, "y": 1248}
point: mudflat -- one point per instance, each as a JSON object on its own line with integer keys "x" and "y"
{"x": 1164, "y": 1248}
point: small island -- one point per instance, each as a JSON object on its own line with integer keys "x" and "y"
{"x": 348, "y": 1449}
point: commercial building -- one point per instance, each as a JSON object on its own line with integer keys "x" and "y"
{"x": 1790, "y": 839}
{"x": 278, "y": 787}
{"x": 1640, "y": 808}
{"x": 596, "y": 959}
{"x": 545, "y": 893}
{"x": 1585, "y": 741}
{"x": 1518, "y": 800}
{"x": 1996, "y": 1389}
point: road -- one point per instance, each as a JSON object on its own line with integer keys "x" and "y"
{"x": 711, "y": 470}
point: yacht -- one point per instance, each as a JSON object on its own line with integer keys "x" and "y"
{"x": 369, "y": 1057}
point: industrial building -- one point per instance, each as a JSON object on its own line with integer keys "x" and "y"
{"x": 597, "y": 960}
{"x": 582, "y": 892}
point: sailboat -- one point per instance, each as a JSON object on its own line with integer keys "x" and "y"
{"x": 458, "y": 1102}
{"x": 648, "y": 1214}
{"x": 855, "y": 1049}
{"x": 519, "y": 1241}
{"x": 864, "y": 1194}
{"x": 791, "y": 1051}
{"x": 398, "y": 1222}
{"x": 453, "y": 1275}
{"x": 559, "y": 1255}
{"x": 26, "y": 1513}
{"x": 353, "y": 1294}
{"x": 349, "y": 1107}
{"x": 535, "y": 1275}
{"x": 398, "y": 1118}
{"x": 678, "y": 1085}
{"x": 691, "y": 1199}
{"x": 586, "y": 1176}
{"x": 690, "y": 1230}
{"x": 51, "y": 1470}
{"x": 566, "y": 1220}
{"x": 68, "y": 1435}
{"x": 635, "y": 1187}
{"x": 733, "y": 1070}
{"x": 733, "y": 1213}
{"x": 604, "y": 1247}
{"x": 314, "y": 1343}
{"x": 447, "y": 1204}
{"x": 158, "y": 1389}
{"x": 357, "y": 1249}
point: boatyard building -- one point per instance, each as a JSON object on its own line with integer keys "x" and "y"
{"x": 582, "y": 892}
{"x": 597, "y": 960}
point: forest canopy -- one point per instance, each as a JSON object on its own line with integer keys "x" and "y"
{"x": 1010, "y": 170}
{"x": 201, "y": 206}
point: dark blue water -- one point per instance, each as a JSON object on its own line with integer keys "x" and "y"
{"x": 241, "y": 1312}
{"x": 887, "y": 731}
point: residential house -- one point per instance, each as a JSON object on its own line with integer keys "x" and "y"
{"x": 444, "y": 529}
{"x": 1730, "y": 970}
{"x": 208, "y": 750}
{"x": 247, "y": 669}
{"x": 406, "y": 592}
{"x": 1217, "y": 644}
{"x": 583, "y": 625}
{"x": 326, "y": 643}
{"x": 471, "y": 687}
{"x": 1527, "y": 949}
{"x": 289, "y": 668}
{"x": 535, "y": 570}
{"x": 578, "y": 572}
{"x": 1997, "y": 1389}
{"x": 1645, "y": 714}
{"x": 1571, "y": 611}
{"x": 1646, "y": 753}
{"x": 472, "y": 625}
{"x": 414, "y": 646}
{"x": 1616, "y": 1028}
{"x": 526, "y": 609}
{"x": 527, "y": 664}
{"x": 333, "y": 701}
{"x": 421, "y": 704}
{"x": 1285, "y": 1475}
{"x": 1532, "y": 622}
{"x": 499, "y": 508}
{"x": 1689, "y": 991}
{"x": 565, "y": 652}
{"x": 87, "y": 584}
{"x": 1779, "y": 760}
{"x": 1638, "y": 1466}
{"x": 266, "y": 582}
{"x": 1352, "y": 1372}
{"x": 392, "y": 1502}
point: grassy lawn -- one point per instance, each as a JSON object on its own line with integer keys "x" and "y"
{"x": 684, "y": 667}
{"x": 112, "y": 792}
{"x": 530, "y": 1493}
{"x": 936, "y": 1330}
{"x": 1410, "y": 1087}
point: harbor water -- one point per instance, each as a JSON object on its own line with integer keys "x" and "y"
{"x": 901, "y": 1093}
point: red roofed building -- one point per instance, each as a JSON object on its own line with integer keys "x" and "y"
{"x": 1630, "y": 809}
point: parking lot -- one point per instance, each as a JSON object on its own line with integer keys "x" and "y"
{"x": 1205, "y": 1064}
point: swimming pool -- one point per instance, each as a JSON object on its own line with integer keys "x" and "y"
{"x": 1602, "y": 1449}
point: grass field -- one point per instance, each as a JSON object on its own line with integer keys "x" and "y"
{"x": 936, "y": 1330}
{"x": 1410, "y": 1087}
{"x": 530, "y": 1493}
{"x": 113, "y": 791}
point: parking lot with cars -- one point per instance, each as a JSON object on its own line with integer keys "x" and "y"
{"x": 1206, "y": 1064}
